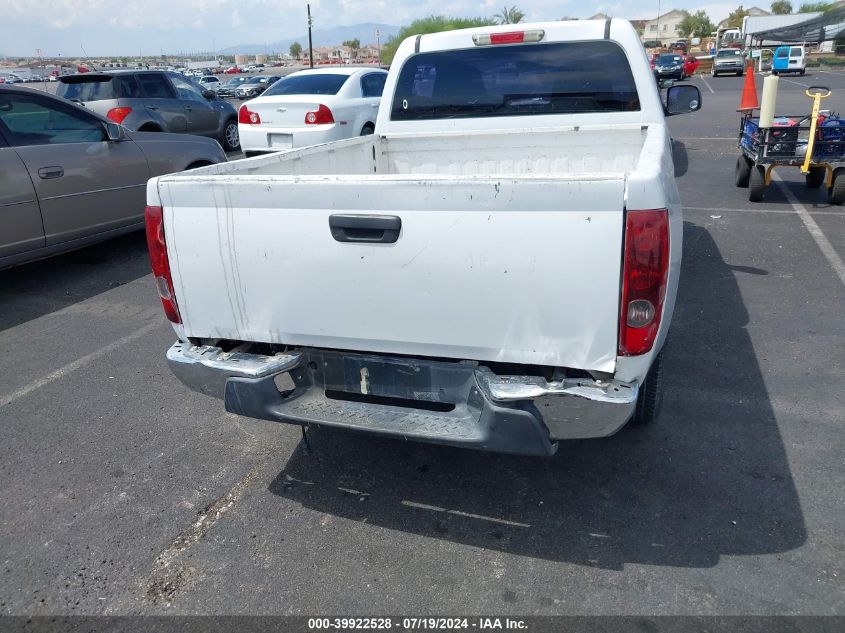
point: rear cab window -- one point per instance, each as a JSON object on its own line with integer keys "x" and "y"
{"x": 520, "y": 80}
{"x": 796, "y": 51}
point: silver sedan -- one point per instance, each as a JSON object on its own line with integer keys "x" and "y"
{"x": 70, "y": 178}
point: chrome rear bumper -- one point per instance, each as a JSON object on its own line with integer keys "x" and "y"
{"x": 460, "y": 403}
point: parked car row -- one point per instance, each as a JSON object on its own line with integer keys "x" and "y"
{"x": 76, "y": 164}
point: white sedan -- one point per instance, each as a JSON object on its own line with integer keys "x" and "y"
{"x": 311, "y": 107}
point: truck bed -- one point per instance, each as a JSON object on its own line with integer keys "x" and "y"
{"x": 510, "y": 245}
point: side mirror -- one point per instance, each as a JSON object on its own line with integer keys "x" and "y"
{"x": 209, "y": 94}
{"x": 115, "y": 132}
{"x": 682, "y": 99}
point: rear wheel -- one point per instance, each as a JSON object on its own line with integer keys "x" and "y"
{"x": 815, "y": 177}
{"x": 231, "y": 140}
{"x": 368, "y": 129}
{"x": 802, "y": 73}
{"x": 651, "y": 394}
{"x": 757, "y": 183}
{"x": 149, "y": 127}
{"x": 836, "y": 194}
{"x": 743, "y": 171}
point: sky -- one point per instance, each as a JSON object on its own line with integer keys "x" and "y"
{"x": 152, "y": 27}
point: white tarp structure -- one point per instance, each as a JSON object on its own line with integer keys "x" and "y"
{"x": 817, "y": 28}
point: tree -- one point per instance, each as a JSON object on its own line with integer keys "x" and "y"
{"x": 295, "y": 50}
{"x": 431, "y": 24}
{"x": 567, "y": 18}
{"x": 696, "y": 24}
{"x": 781, "y": 7}
{"x": 509, "y": 16}
{"x": 812, "y": 7}
{"x": 353, "y": 44}
{"x": 735, "y": 18}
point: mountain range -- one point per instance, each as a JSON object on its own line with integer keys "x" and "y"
{"x": 365, "y": 33}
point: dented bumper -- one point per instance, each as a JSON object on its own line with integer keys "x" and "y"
{"x": 460, "y": 403}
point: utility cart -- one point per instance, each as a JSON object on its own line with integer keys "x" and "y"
{"x": 814, "y": 142}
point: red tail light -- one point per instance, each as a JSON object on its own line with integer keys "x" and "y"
{"x": 245, "y": 115}
{"x": 645, "y": 267}
{"x": 321, "y": 115}
{"x": 118, "y": 114}
{"x": 158, "y": 259}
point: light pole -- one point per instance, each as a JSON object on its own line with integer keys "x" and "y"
{"x": 310, "y": 44}
{"x": 658, "y": 24}
{"x": 378, "y": 45}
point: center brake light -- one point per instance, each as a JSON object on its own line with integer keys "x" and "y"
{"x": 118, "y": 114}
{"x": 247, "y": 116}
{"x": 154, "y": 221}
{"x": 321, "y": 115}
{"x": 644, "y": 275}
{"x": 511, "y": 37}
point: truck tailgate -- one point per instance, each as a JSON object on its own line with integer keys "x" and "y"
{"x": 524, "y": 270}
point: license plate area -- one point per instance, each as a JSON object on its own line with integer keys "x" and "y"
{"x": 414, "y": 379}
{"x": 280, "y": 141}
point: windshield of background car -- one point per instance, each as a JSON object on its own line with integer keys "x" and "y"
{"x": 307, "y": 85}
{"x": 532, "y": 79}
{"x": 99, "y": 88}
{"x": 670, "y": 60}
{"x": 733, "y": 52}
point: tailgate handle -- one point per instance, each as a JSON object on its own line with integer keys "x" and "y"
{"x": 381, "y": 229}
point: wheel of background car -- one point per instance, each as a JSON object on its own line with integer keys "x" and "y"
{"x": 757, "y": 183}
{"x": 231, "y": 138}
{"x": 368, "y": 129}
{"x": 742, "y": 172}
{"x": 149, "y": 127}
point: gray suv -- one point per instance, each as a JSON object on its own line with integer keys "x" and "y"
{"x": 154, "y": 101}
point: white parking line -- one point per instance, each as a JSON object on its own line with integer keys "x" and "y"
{"x": 760, "y": 210}
{"x": 707, "y": 84}
{"x": 77, "y": 364}
{"x": 797, "y": 83}
{"x": 815, "y": 232}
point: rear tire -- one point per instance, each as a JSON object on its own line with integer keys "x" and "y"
{"x": 742, "y": 172}
{"x": 815, "y": 177}
{"x": 836, "y": 194}
{"x": 231, "y": 140}
{"x": 757, "y": 183}
{"x": 651, "y": 394}
{"x": 368, "y": 129}
{"x": 149, "y": 128}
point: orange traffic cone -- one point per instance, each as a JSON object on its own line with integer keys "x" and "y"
{"x": 749, "y": 91}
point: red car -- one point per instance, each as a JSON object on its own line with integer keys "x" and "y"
{"x": 690, "y": 65}
{"x": 233, "y": 70}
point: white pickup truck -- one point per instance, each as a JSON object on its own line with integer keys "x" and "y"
{"x": 494, "y": 268}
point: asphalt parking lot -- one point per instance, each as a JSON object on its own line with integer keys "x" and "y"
{"x": 126, "y": 493}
